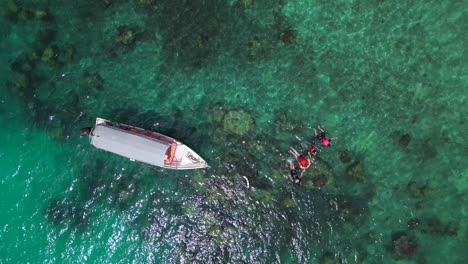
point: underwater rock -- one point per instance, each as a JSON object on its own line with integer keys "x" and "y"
{"x": 413, "y": 223}
{"x": 40, "y": 14}
{"x": 328, "y": 258}
{"x": 21, "y": 83}
{"x": 57, "y": 133}
{"x": 217, "y": 113}
{"x": 12, "y": 6}
{"x": 259, "y": 49}
{"x": 91, "y": 82}
{"x": 147, "y": 3}
{"x": 429, "y": 150}
{"x": 246, "y": 4}
{"x": 417, "y": 191}
{"x": 433, "y": 225}
{"x": 48, "y": 56}
{"x": 322, "y": 173}
{"x": 218, "y": 136}
{"x": 46, "y": 36}
{"x": 320, "y": 181}
{"x": 254, "y": 45}
{"x": 67, "y": 54}
{"x": 284, "y": 123}
{"x": 345, "y": 157}
{"x": 403, "y": 245}
{"x": 404, "y": 140}
{"x": 355, "y": 171}
{"x": 107, "y": 3}
{"x": 126, "y": 36}
{"x": 238, "y": 122}
{"x": 13, "y": 11}
{"x": 23, "y": 64}
{"x": 288, "y": 36}
{"x": 348, "y": 208}
{"x": 371, "y": 237}
{"x": 44, "y": 15}
{"x": 202, "y": 41}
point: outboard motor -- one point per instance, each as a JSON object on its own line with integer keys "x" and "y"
{"x": 86, "y": 131}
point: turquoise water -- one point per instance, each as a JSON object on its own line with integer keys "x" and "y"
{"x": 389, "y": 79}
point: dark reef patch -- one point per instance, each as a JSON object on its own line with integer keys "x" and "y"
{"x": 403, "y": 245}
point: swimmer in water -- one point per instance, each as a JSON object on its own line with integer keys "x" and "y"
{"x": 304, "y": 162}
{"x": 326, "y": 142}
{"x": 296, "y": 174}
{"x": 313, "y": 150}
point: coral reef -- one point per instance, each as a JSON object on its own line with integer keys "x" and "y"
{"x": 320, "y": 181}
{"x": 355, "y": 171}
{"x": 347, "y": 208}
{"x": 288, "y": 36}
{"x": 287, "y": 123}
{"x": 218, "y": 111}
{"x": 238, "y": 122}
{"x": 417, "y": 191}
{"x": 49, "y": 56}
{"x": 432, "y": 225}
{"x": 147, "y": 3}
{"x": 67, "y": 54}
{"x": 329, "y": 258}
{"x": 107, "y": 3}
{"x": 21, "y": 84}
{"x": 429, "y": 150}
{"x": 46, "y": 36}
{"x": 23, "y": 64}
{"x": 126, "y": 36}
{"x": 246, "y": 4}
{"x": 403, "y": 245}
{"x": 91, "y": 82}
{"x": 203, "y": 40}
{"x": 322, "y": 173}
{"x": 345, "y": 156}
{"x": 402, "y": 138}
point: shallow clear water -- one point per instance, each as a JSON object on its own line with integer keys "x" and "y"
{"x": 388, "y": 79}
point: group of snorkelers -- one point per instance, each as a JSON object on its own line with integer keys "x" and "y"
{"x": 303, "y": 161}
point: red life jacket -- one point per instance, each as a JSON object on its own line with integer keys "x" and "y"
{"x": 325, "y": 142}
{"x": 312, "y": 149}
{"x": 302, "y": 161}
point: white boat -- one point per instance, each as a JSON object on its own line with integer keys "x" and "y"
{"x": 143, "y": 145}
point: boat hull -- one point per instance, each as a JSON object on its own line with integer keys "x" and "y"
{"x": 145, "y": 146}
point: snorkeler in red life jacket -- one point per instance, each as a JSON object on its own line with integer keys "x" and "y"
{"x": 313, "y": 150}
{"x": 326, "y": 142}
{"x": 304, "y": 162}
